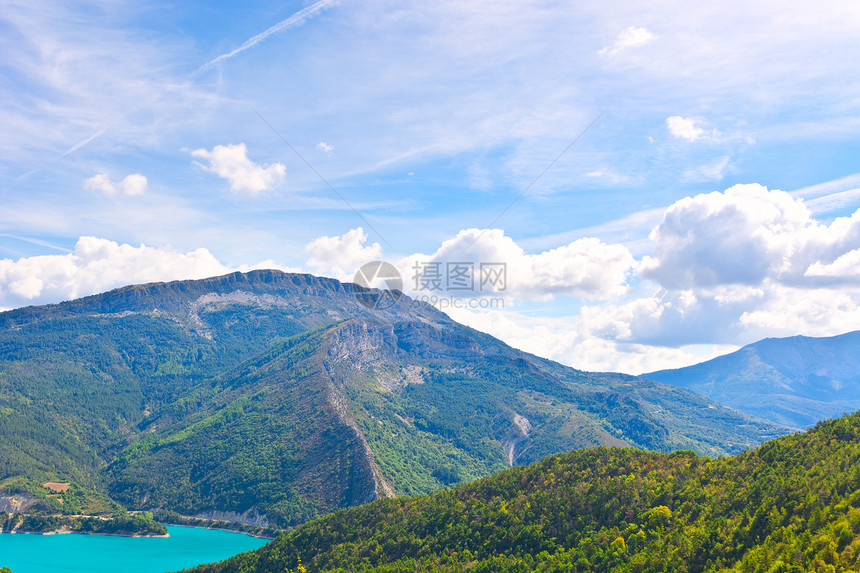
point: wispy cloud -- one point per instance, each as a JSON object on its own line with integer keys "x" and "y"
{"x": 296, "y": 19}
{"x": 632, "y": 37}
{"x": 835, "y": 201}
{"x": 831, "y": 196}
{"x": 713, "y": 171}
{"x": 828, "y": 187}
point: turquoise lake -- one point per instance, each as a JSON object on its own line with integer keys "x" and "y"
{"x": 186, "y": 547}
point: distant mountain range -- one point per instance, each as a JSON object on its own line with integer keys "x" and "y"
{"x": 792, "y": 382}
{"x": 272, "y": 398}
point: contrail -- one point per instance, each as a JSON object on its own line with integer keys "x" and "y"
{"x": 294, "y": 20}
{"x": 80, "y": 144}
{"x": 36, "y": 242}
{"x": 72, "y": 149}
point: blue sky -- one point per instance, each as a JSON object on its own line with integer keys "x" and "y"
{"x": 710, "y": 203}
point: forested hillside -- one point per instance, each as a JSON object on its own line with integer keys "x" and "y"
{"x": 270, "y": 398}
{"x": 792, "y": 504}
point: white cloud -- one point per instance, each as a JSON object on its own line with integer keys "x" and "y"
{"x": 737, "y": 266}
{"x": 583, "y": 268}
{"x": 100, "y": 182}
{"x": 632, "y": 37}
{"x": 340, "y": 257}
{"x": 684, "y": 128}
{"x": 567, "y": 340}
{"x": 787, "y": 311}
{"x": 748, "y": 234}
{"x": 131, "y": 186}
{"x": 134, "y": 184}
{"x": 325, "y": 147}
{"x": 740, "y": 236}
{"x": 845, "y": 268}
{"x": 732, "y": 267}
{"x": 674, "y": 317}
{"x": 97, "y": 265}
{"x": 231, "y": 162}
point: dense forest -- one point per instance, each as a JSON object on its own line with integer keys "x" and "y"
{"x": 793, "y": 504}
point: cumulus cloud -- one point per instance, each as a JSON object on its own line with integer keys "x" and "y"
{"x": 730, "y": 237}
{"x": 632, "y": 37}
{"x": 97, "y": 265}
{"x": 568, "y": 340}
{"x": 673, "y": 318}
{"x": 132, "y": 185}
{"x": 737, "y": 266}
{"x": 231, "y": 162}
{"x": 846, "y": 268}
{"x": 730, "y": 268}
{"x": 748, "y": 234}
{"x": 473, "y": 262}
{"x": 684, "y": 128}
{"x": 723, "y": 315}
{"x": 325, "y": 147}
{"x": 340, "y": 257}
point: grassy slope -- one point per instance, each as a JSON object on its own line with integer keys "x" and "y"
{"x": 793, "y": 504}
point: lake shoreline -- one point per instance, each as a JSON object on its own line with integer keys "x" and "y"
{"x": 220, "y": 529}
{"x": 127, "y": 525}
{"x": 255, "y": 531}
{"x": 70, "y": 532}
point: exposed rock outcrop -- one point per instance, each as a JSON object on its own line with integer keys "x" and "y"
{"x": 12, "y": 503}
{"x": 251, "y": 517}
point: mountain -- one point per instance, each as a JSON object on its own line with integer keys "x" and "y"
{"x": 793, "y": 504}
{"x": 272, "y": 398}
{"x": 791, "y": 382}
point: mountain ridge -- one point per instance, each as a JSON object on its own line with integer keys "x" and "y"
{"x": 793, "y": 381}
{"x": 292, "y": 395}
